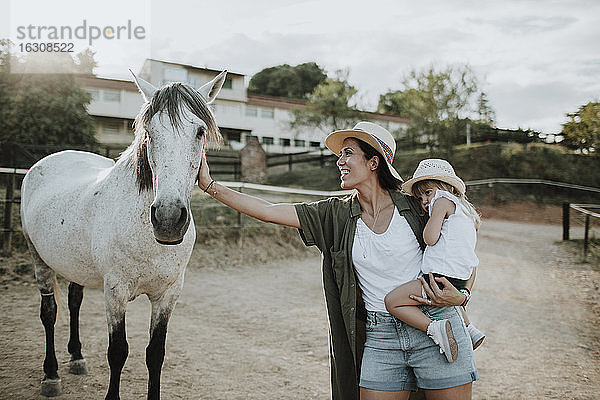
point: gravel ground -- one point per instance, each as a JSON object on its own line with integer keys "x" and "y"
{"x": 260, "y": 331}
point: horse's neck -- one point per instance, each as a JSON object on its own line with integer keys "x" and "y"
{"x": 123, "y": 175}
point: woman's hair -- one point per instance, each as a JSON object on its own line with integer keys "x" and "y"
{"x": 419, "y": 188}
{"x": 385, "y": 177}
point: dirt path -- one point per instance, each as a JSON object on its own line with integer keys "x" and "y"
{"x": 261, "y": 332}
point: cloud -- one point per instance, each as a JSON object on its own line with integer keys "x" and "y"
{"x": 538, "y": 106}
{"x": 527, "y": 24}
{"x": 535, "y": 59}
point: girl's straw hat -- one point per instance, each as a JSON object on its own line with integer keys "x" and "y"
{"x": 435, "y": 168}
{"x": 368, "y": 132}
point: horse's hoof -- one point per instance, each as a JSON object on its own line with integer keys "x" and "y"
{"x": 77, "y": 367}
{"x": 51, "y": 387}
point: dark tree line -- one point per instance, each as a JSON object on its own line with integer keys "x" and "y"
{"x": 42, "y": 112}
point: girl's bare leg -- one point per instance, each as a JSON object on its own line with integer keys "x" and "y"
{"x": 464, "y": 315}
{"x": 401, "y": 306}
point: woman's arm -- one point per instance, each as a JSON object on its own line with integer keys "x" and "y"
{"x": 448, "y": 296}
{"x": 281, "y": 214}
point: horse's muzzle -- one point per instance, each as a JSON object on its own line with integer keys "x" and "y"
{"x": 170, "y": 221}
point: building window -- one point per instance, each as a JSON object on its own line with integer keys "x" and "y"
{"x": 284, "y": 142}
{"x": 299, "y": 143}
{"x": 95, "y": 93}
{"x": 268, "y": 140}
{"x": 251, "y": 111}
{"x": 315, "y": 144}
{"x": 250, "y": 137}
{"x": 267, "y": 113}
{"x": 193, "y": 82}
{"x": 233, "y": 136}
{"x": 111, "y": 128}
{"x": 111, "y": 95}
{"x": 228, "y": 84}
{"x": 175, "y": 75}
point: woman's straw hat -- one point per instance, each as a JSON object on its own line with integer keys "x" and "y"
{"x": 435, "y": 168}
{"x": 370, "y": 133}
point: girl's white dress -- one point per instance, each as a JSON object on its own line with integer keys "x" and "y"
{"x": 454, "y": 253}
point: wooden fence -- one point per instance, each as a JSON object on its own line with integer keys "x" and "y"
{"x": 322, "y": 156}
{"x": 584, "y": 209}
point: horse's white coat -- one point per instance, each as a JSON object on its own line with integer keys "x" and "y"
{"x": 85, "y": 219}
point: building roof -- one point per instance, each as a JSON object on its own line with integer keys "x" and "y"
{"x": 105, "y": 83}
{"x": 275, "y": 102}
{"x": 253, "y": 99}
{"x": 387, "y": 117}
{"x": 287, "y": 103}
{"x": 195, "y": 67}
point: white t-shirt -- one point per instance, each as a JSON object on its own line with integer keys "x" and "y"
{"x": 385, "y": 261}
{"x": 454, "y": 253}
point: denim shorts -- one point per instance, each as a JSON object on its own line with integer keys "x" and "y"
{"x": 400, "y": 357}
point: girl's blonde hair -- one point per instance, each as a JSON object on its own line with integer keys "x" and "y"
{"x": 419, "y": 188}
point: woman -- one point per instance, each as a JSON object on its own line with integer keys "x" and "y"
{"x": 371, "y": 243}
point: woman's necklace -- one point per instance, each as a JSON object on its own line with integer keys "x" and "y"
{"x": 364, "y": 241}
{"x": 375, "y": 218}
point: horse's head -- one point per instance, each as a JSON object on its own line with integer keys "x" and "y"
{"x": 171, "y": 132}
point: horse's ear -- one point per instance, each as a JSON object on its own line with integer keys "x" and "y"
{"x": 211, "y": 89}
{"x": 145, "y": 88}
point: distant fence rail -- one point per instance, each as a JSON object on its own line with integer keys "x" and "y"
{"x": 531, "y": 181}
{"x": 290, "y": 159}
{"x": 584, "y": 209}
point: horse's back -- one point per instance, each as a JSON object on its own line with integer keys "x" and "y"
{"x": 61, "y": 173}
{"x": 55, "y": 204}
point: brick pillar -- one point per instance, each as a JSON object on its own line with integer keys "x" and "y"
{"x": 253, "y": 161}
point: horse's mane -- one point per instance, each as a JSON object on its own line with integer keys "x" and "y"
{"x": 170, "y": 98}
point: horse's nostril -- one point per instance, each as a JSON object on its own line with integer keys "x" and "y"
{"x": 153, "y": 215}
{"x": 182, "y": 217}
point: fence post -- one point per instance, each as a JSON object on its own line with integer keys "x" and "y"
{"x": 8, "y": 205}
{"x": 240, "y": 227}
{"x": 290, "y": 162}
{"x": 565, "y": 215}
{"x": 586, "y": 240}
{"x": 237, "y": 170}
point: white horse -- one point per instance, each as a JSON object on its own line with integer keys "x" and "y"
{"x": 124, "y": 226}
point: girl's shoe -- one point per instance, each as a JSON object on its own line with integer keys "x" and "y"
{"x": 441, "y": 333}
{"x": 476, "y": 336}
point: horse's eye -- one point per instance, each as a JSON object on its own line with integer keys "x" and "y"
{"x": 201, "y": 131}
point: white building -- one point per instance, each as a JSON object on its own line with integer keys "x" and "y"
{"x": 240, "y": 115}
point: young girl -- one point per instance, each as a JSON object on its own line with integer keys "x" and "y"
{"x": 450, "y": 235}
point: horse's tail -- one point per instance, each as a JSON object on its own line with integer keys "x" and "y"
{"x": 58, "y": 297}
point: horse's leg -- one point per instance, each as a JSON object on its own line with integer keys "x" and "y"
{"x": 46, "y": 279}
{"x": 155, "y": 352}
{"x": 115, "y": 298}
{"x": 77, "y": 362}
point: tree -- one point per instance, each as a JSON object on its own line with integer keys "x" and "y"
{"x": 39, "y": 113}
{"x": 329, "y": 107}
{"x": 582, "y": 130}
{"x": 287, "y": 81}
{"x": 437, "y": 102}
{"x": 85, "y": 62}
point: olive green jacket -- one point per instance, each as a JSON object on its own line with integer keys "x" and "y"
{"x": 330, "y": 225}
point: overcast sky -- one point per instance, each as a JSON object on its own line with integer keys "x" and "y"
{"x": 536, "y": 60}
